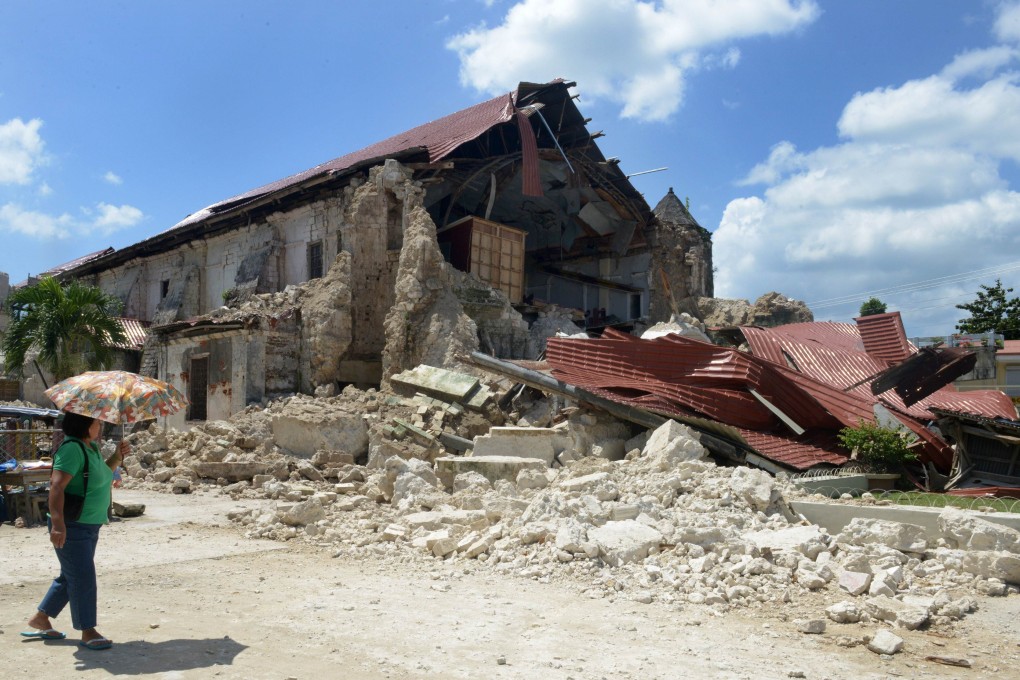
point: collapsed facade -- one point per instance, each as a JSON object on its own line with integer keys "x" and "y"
{"x": 342, "y": 274}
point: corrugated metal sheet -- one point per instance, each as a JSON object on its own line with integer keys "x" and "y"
{"x": 800, "y": 453}
{"x": 812, "y": 384}
{"x": 135, "y": 332}
{"x": 883, "y": 337}
{"x": 436, "y": 138}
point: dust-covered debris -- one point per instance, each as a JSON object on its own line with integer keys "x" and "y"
{"x": 618, "y": 511}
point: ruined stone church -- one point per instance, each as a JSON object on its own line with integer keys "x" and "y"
{"x": 491, "y": 228}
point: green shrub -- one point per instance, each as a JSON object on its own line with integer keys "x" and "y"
{"x": 881, "y": 449}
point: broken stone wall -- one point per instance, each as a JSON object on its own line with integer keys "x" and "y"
{"x": 502, "y": 331}
{"x": 326, "y": 328}
{"x": 372, "y": 216}
{"x": 427, "y": 323}
{"x": 228, "y": 354}
{"x": 770, "y": 310}
{"x": 282, "y": 362}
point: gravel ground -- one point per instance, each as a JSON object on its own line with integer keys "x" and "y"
{"x": 185, "y": 595}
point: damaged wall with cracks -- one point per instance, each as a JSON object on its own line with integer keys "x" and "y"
{"x": 387, "y": 302}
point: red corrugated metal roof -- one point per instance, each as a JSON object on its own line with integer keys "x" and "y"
{"x": 800, "y": 453}
{"x": 884, "y": 338}
{"x": 813, "y": 384}
{"x": 436, "y": 138}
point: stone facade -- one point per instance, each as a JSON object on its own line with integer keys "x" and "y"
{"x": 682, "y": 254}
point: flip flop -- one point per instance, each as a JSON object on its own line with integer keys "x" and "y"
{"x": 97, "y": 644}
{"x": 48, "y": 634}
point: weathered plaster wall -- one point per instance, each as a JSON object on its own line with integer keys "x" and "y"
{"x": 229, "y": 354}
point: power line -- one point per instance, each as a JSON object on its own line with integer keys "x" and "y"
{"x": 915, "y": 286}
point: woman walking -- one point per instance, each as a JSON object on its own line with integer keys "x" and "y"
{"x": 78, "y": 501}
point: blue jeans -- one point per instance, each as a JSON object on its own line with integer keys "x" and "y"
{"x": 77, "y": 581}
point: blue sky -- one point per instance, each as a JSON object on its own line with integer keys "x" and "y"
{"x": 835, "y": 149}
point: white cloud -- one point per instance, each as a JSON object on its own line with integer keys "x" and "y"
{"x": 15, "y": 220}
{"x": 1007, "y": 25}
{"x": 105, "y": 219}
{"x": 113, "y": 178}
{"x": 934, "y": 112}
{"x": 44, "y": 189}
{"x": 912, "y": 194}
{"x": 21, "y": 150}
{"x": 582, "y": 39}
{"x": 112, "y": 217}
{"x": 980, "y": 63}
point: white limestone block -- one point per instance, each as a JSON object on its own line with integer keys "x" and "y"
{"x": 885, "y": 642}
{"x": 965, "y": 529}
{"x": 844, "y": 612}
{"x": 625, "y": 541}
{"x": 854, "y": 582}
{"x": 896, "y": 535}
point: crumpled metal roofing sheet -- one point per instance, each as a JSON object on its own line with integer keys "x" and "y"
{"x": 684, "y": 377}
{"x": 883, "y": 337}
{"x": 800, "y": 453}
{"x": 841, "y": 368}
{"x": 705, "y": 378}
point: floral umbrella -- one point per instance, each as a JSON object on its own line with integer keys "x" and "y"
{"x": 116, "y": 396}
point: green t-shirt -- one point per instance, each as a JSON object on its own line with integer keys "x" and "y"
{"x": 69, "y": 459}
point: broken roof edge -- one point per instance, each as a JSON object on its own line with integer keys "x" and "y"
{"x": 338, "y": 167}
{"x": 185, "y": 229}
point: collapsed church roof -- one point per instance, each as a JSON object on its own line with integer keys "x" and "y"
{"x": 467, "y": 147}
{"x": 787, "y": 398}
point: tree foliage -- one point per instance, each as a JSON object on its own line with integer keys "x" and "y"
{"x": 994, "y": 311}
{"x": 873, "y": 306}
{"x": 71, "y": 326}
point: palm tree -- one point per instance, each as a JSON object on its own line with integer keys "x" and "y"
{"x": 72, "y": 326}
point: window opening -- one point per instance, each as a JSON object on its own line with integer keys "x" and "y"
{"x": 315, "y": 260}
{"x": 198, "y": 388}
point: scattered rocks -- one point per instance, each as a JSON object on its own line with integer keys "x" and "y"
{"x": 885, "y": 643}
{"x": 662, "y": 525}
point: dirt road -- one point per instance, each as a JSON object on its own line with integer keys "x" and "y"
{"x": 185, "y": 595}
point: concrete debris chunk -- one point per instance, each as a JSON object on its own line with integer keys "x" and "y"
{"x": 964, "y": 529}
{"x": 885, "y": 642}
{"x": 756, "y": 487}
{"x": 624, "y": 542}
{"x": 908, "y": 538}
{"x": 522, "y": 442}
{"x": 445, "y": 384}
{"x": 897, "y": 612}
{"x": 493, "y": 468}
{"x": 303, "y": 513}
{"x": 854, "y": 582}
{"x": 845, "y": 612}
{"x": 672, "y": 443}
{"x": 810, "y": 626}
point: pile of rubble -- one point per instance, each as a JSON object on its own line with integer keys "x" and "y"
{"x": 647, "y": 517}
